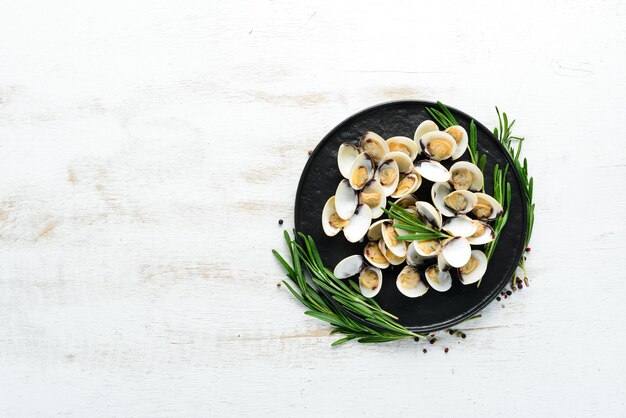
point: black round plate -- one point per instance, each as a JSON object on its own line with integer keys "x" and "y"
{"x": 434, "y": 310}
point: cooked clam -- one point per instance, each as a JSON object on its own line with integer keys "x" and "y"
{"x": 375, "y": 146}
{"x": 408, "y": 184}
{"x": 466, "y": 176}
{"x": 394, "y": 260}
{"x": 345, "y": 158}
{"x": 424, "y": 128}
{"x": 460, "y": 201}
{"x": 393, "y": 244}
{"x": 486, "y": 207}
{"x": 405, "y": 163}
{"x": 439, "y": 280}
{"x": 406, "y": 201}
{"x": 332, "y": 223}
{"x": 413, "y": 258}
{"x": 370, "y": 281}
{"x": 456, "y": 251}
{"x": 432, "y": 170}
{"x": 410, "y": 282}
{"x": 484, "y": 233}
{"x": 388, "y": 175}
{"x": 428, "y": 248}
{"x": 438, "y": 145}
{"x": 359, "y": 223}
{"x": 346, "y": 199}
{"x": 373, "y": 195}
{"x": 362, "y": 171}
{"x": 474, "y": 269}
{"x": 374, "y": 256}
{"x": 375, "y": 231}
{"x": 404, "y": 145}
{"x": 460, "y": 137}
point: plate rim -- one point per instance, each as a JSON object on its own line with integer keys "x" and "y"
{"x": 512, "y": 168}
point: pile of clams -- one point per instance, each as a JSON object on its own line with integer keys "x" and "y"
{"x": 376, "y": 170}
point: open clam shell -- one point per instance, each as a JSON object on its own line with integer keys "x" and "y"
{"x": 438, "y": 193}
{"x": 474, "y": 269}
{"x": 408, "y": 184}
{"x": 411, "y": 283}
{"x": 438, "y": 145}
{"x": 460, "y": 226}
{"x": 390, "y": 237}
{"x": 486, "y": 208}
{"x": 375, "y": 231}
{"x": 460, "y": 137}
{"x": 460, "y": 201}
{"x": 428, "y": 248}
{"x": 466, "y": 176}
{"x": 345, "y": 158}
{"x": 349, "y": 266}
{"x": 413, "y": 258}
{"x": 362, "y": 171}
{"x": 432, "y": 170}
{"x": 394, "y": 260}
{"x": 456, "y": 251}
{"x": 374, "y": 145}
{"x": 440, "y": 280}
{"x": 346, "y": 199}
{"x": 424, "y": 128}
{"x": 370, "y": 281}
{"x": 388, "y": 175}
{"x": 484, "y": 233}
{"x": 373, "y": 195}
{"x": 429, "y": 214}
{"x": 359, "y": 223}
{"x": 406, "y": 201}
{"x": 405, "y": 163}
{"x": 332, "y": 223}
{"x": 374, "y": 256}
{"x": 404, "y": 145}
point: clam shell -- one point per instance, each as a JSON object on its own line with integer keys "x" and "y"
{"x": 346, "y": 199}
{"x": 373, "y": 186}
{"x": 438, "y": 193}
{"x": 406, "y": 201}
{"x": 391, "y": 187}
{"x": 393, "y": 259}
{"x": 367, "y": 254}
{"x": 413, "y": 258}
{"x": 359, "y": 223}
{"x": 470, "y": 198}
{"x": 405, "y": 163}
{"x": 460, "y": 226}
{"x": 496, "y": 208}
{"x": 432, "y": 170}
{"x": 486, "y": 236}
{"x": 362, "y": 160}
{"x": 370, "y": 293}
{"x": 424, "y": 128}
{"x": 345, "y": 158}
{"x": 477, "y": 176}
{"x": 479, "y": 272}
{"x": 416, "y": 184}
{"x": 375, "y": 232}
{"x": 429, "y": 213}
{"x": 418, "y": 290}
{"x": 349, "y": 266}
{"x": 425, "y": 251}
{"x": 461, "y": 144}
{"x": 456, "y": 251}
{"x": 434, "y": 136}
{"x": 398, "y": 142}
{"x": 327, "y": 212}
{"x": 440, "y": 280}
{"x": 399, "y": 248}
{"x": 374, "y": 145}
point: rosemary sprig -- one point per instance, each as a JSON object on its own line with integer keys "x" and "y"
{"x": 442, "y": 116}
{"x": 502, "y": 193}
{"x": 305, "y": 258}
{"x": 505, "y": 135}
{"x": 409, "y": 222}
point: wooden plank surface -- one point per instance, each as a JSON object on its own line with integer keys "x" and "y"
{"x": 148, "y": 150}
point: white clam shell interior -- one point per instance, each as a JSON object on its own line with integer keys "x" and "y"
{"x": 406, "y": 201}
{"x": 405, "y": 163}
{"x": 375, "y": 232}
{"x": 460, "y": 226}
{"x": 345, "y": 158}
{"x": 432, "y": 170}
{"x": 430, "y": 213}
{"x": 470, "y": 198}
{"x": 487, "y": 235}
{"x": 349, "y": 266}
{"x": 346, "y": 199}
{"x": 393, "y": 259}
{"x": 442, "y": 282}
{"x": 420, "y": 289}
{"x": 399, "y": 249}
{"x": 478, "y": 272}
{"x": 413, "y": 258}
{"x": 359, "y": 223}
{"x": 495, "y": 205}
{"x": 438, "y": 193}
{"x": 377, "y": 139}
{"x": 370, "y": 260}
{"x": 424, "y": 128}
{"x": 456, "y": 251}
{"x": 424, "y": 254}
{"x": 416, "y": 184}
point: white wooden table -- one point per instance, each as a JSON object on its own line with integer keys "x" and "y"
{"x": 149, "y": 149}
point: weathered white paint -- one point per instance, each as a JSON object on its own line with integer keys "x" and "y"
{"x": 148, "y": 150}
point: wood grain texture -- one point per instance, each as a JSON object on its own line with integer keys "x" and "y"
{"x": 149, "y": 149}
